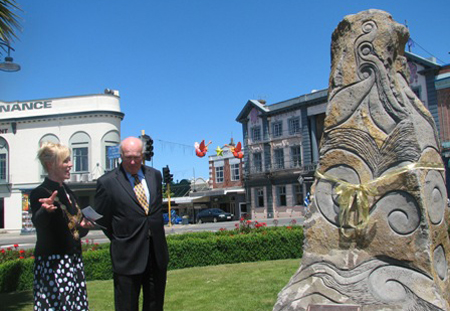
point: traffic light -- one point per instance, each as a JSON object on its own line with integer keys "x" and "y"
{"x": 168, "y": 178}
{"x": 147, "y": 141}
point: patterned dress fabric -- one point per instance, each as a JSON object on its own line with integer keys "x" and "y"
{"x": 59, "y": 279}
{"x": 59, "y": 283}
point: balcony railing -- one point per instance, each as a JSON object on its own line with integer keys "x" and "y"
{"x": 80, "y": 177}
{"x": 308, "y": 168}
{"x": 276, "y": 167}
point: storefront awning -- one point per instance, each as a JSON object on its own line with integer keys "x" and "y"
{"x": 219, "y": 192}
{"x": 234, "y": 191}
{"x": 185, "y": 200}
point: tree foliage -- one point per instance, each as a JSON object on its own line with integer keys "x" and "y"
{"x": 9, "y": 21}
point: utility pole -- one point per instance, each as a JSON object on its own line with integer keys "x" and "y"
{"x": 168, "y": 179}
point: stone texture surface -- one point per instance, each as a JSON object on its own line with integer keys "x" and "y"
{"x": 375, "y": 125}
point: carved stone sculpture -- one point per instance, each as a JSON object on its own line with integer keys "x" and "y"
{"x": 376, "y": 235}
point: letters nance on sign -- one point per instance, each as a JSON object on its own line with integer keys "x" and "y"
{"x": 26, "y": 106}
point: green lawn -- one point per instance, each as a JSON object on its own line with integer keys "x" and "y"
{"x": 245, "y": 286}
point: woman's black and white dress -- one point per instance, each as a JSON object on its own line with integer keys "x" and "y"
{"x": 59, "y": 280}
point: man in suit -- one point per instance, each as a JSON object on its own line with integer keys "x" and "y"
{"x": 130, "y": 200}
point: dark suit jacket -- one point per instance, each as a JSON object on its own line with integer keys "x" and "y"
{"x": 128, "y": 227}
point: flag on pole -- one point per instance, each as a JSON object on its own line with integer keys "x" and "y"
{"x": 306, "y": 200}
{"x": 410, "y": 44}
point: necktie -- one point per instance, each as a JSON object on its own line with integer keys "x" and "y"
{"x": 140, "y": 193}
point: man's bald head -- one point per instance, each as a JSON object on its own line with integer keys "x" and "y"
{"x": 131, "y": 151}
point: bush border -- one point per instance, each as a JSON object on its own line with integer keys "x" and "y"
{"x": 185, "y": 251}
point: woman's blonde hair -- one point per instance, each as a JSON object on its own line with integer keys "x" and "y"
{"x": 52, "y": 153}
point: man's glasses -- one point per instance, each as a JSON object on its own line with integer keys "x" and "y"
{"x": 130, "y": 158}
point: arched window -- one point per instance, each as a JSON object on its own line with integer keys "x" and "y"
{"x": 110, "y": 144}
{"x": 51, "y": 138}
{"x": 4, "y": 161}
{"x": 80, "y": 144}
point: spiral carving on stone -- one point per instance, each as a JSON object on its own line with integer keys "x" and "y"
{"x": 440, "y": 262}
{"x": 374, "y": 282}
{"x": 364, "y": 50}
{"x": 395, "y": 284}
{"x": 325, "y": 195}
{"x": 402, "y": 211}
{"x": 434, "y": 191}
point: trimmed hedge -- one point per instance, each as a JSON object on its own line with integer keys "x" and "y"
{"x": 16, "y": 275}
{"x": 97, "y": 265}
{"x": 266, "y": 244}
{"x": 185, "y": 250}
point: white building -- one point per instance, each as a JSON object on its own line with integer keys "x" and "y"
{"x": 88, "y": 125}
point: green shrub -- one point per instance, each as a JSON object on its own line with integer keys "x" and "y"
{"x": 16, "y": 275}
{"x": 206, "y": 248}
{"x": 97, "y": 265}
{"x": 185, "y": 250}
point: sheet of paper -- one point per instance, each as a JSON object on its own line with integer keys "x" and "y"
{"x": 90, "y": 213}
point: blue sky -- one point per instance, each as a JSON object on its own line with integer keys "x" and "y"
{"x": 186, "y": 68}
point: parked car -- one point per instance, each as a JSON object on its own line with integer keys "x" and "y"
{"x": 213, "y": 215}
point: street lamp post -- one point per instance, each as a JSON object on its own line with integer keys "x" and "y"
{"x": 8, "y": 64}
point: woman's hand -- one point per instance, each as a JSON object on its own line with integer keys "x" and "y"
{"x": 86, "y": 224}
{"x": 47, "y": 203}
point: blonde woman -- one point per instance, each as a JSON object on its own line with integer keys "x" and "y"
{"x": 59, "y": 280}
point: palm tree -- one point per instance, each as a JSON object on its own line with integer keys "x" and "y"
{"x": 9, "y": 21}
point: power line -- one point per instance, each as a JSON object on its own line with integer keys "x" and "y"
{"x": 186, "y": 148}
{"x": 413, "y": 43}
{"x": 416, "y": 43}
{"x": 173, "y": 143}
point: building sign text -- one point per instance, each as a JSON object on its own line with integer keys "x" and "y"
{"x": 26, "y": 106}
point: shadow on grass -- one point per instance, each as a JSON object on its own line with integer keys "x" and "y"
{"x": 16, "y": 301}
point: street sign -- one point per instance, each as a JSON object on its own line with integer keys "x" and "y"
{"x": 113, "y": 152}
